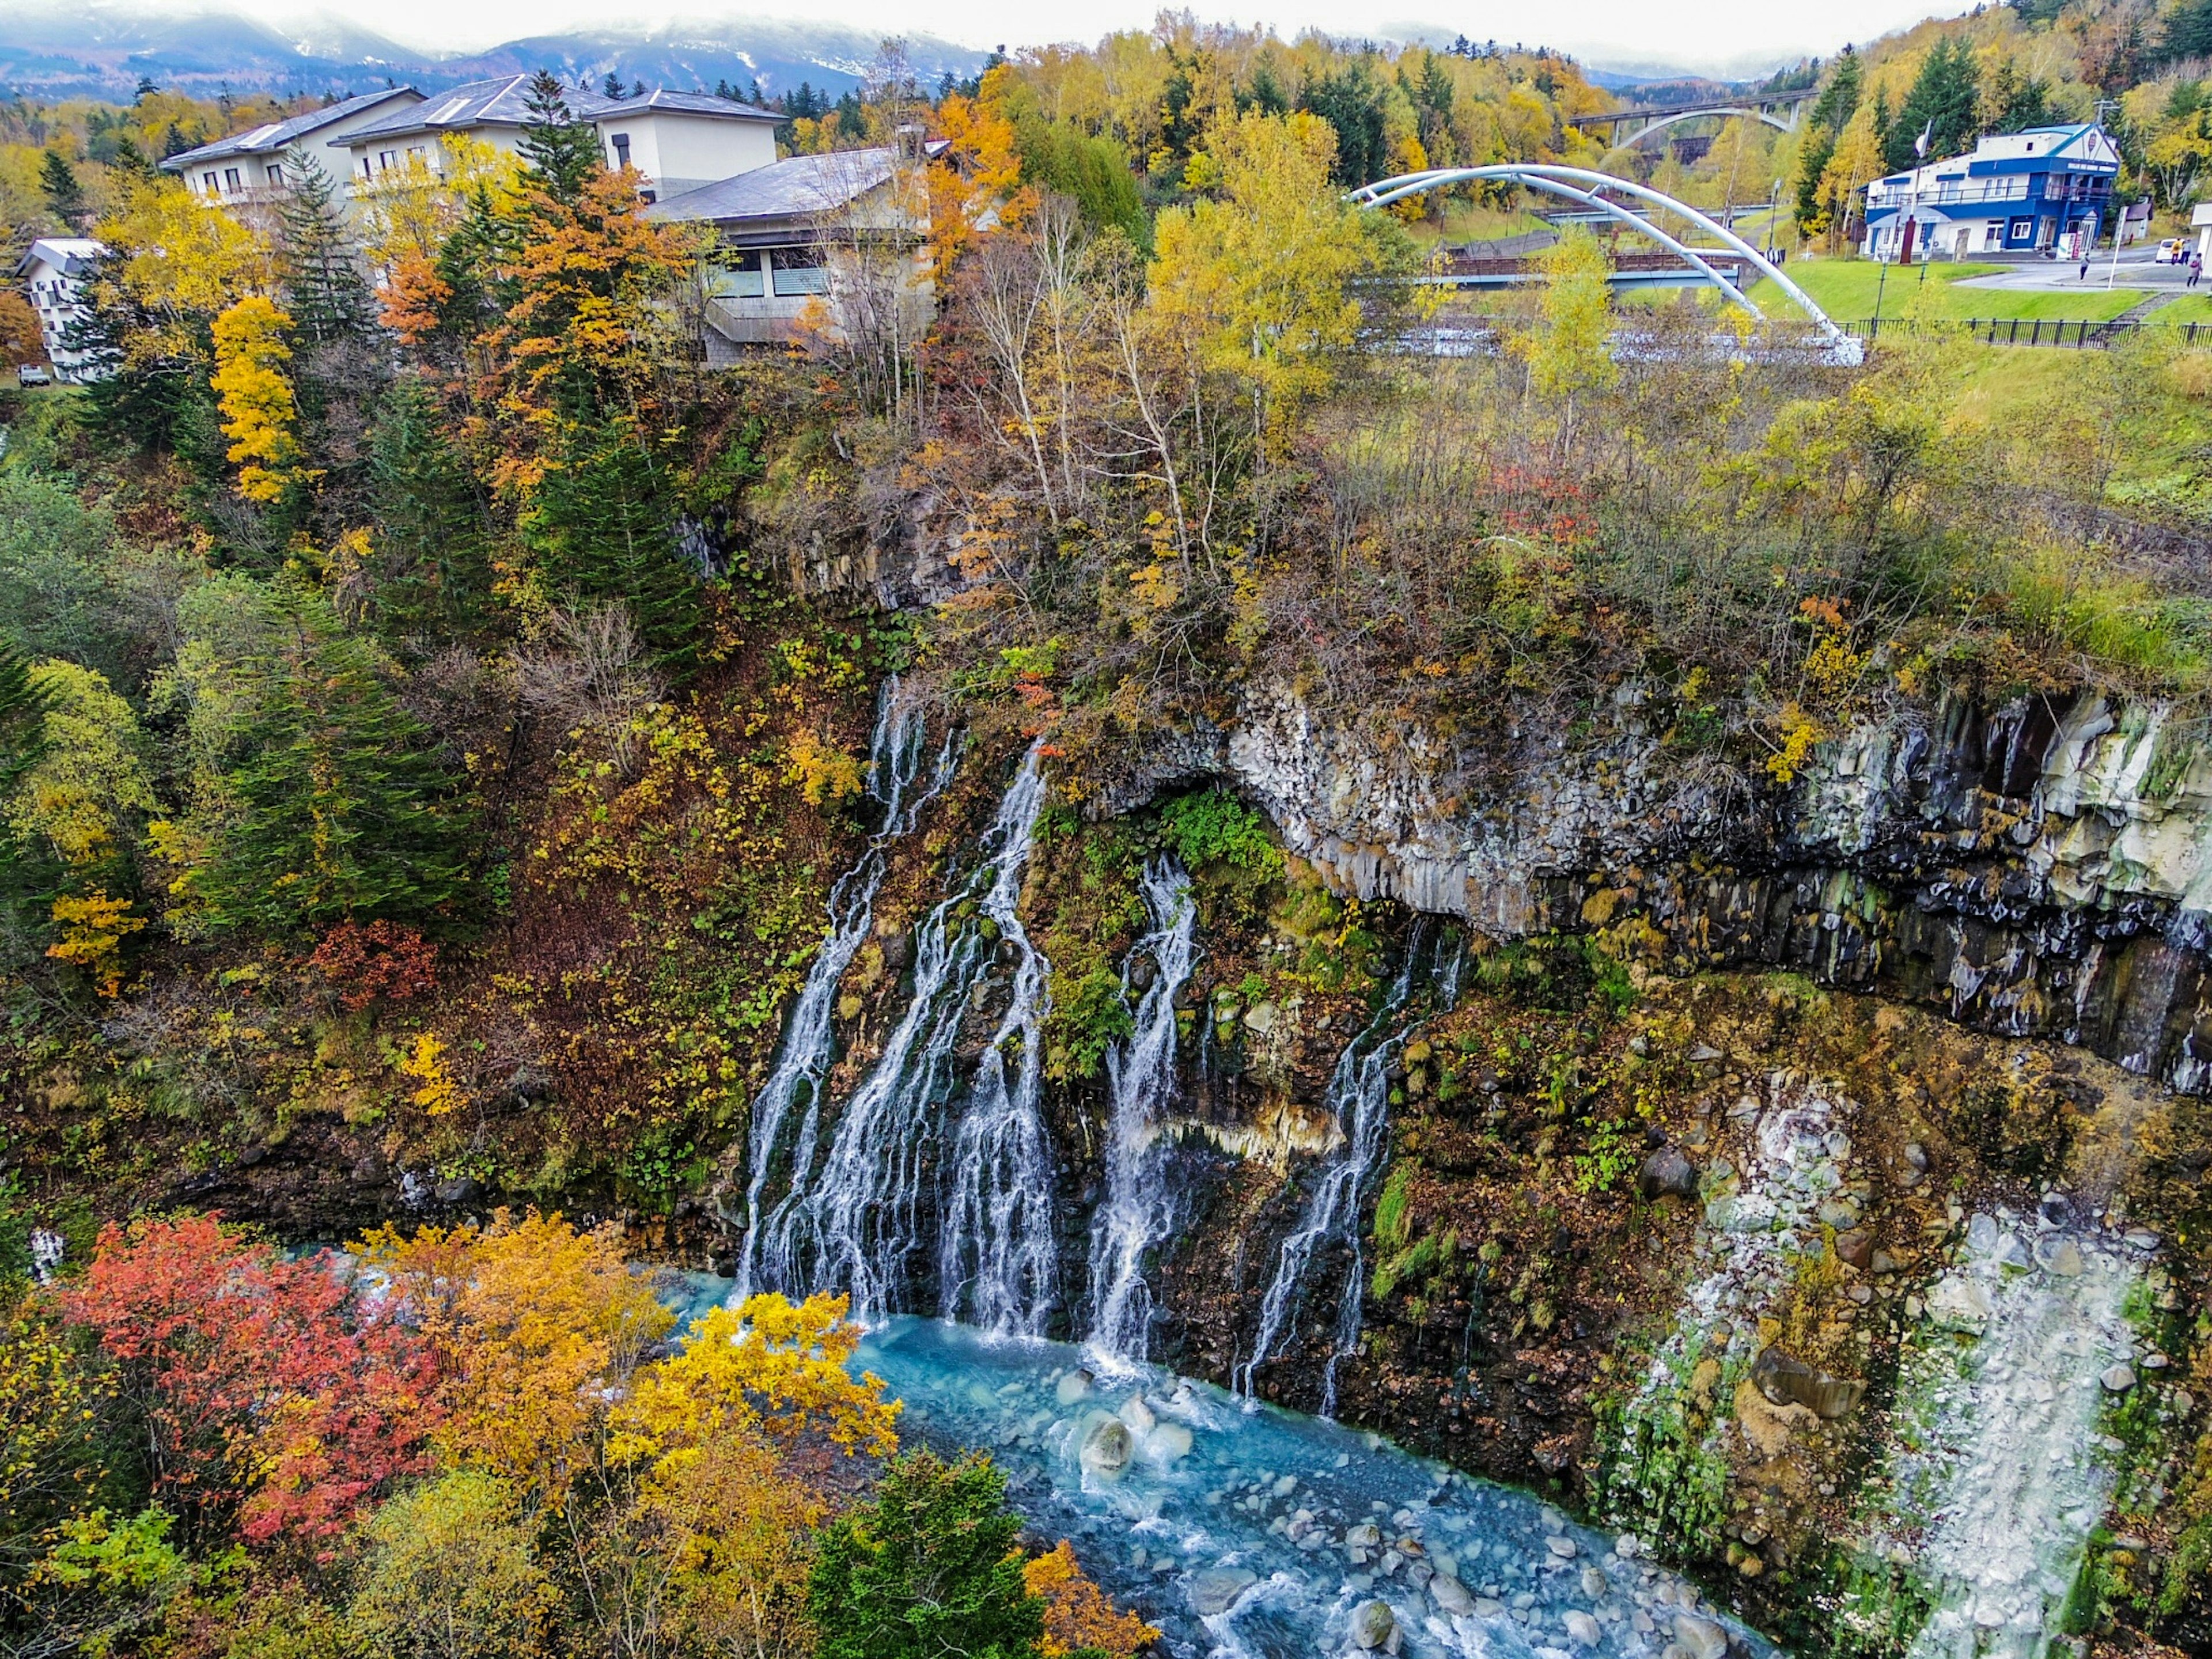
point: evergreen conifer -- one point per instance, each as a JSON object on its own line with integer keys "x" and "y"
{"x": 561, "y": 151}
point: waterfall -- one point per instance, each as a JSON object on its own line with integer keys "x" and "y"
{"x": 2007, "y": 1385}
{"x": 894, "y": 764}
{"x": 1358, "y": 1099}
{"x": 1138, "y": 1213}
{"x": 855, "y": 1223}
{"x": 998, "y": 1256}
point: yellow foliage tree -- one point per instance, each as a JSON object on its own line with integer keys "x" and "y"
{"x": 1855, "y": 162}
{"x": 772, "y": 1369}
{"x": 178, "y": 256}
{"x": 1078, "y": 1616}
{"x": 822, "y": 770}
{"x": 258, "y": 410}
{"x": 1259, "y": 272}
{"x": 411, "y": 209}
{"x": 91, "y": 784}
{"x": 978, "y": 177}
{"x": 93, "y": 929}
{"x": 534, "y": 1324}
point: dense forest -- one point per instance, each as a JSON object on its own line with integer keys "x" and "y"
{"x": 437, "y": 713}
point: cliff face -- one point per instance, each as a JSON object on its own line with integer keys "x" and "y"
{"x": 2044, "y": 869}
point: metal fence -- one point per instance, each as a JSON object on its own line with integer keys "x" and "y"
{"x": 2073, "y": 334}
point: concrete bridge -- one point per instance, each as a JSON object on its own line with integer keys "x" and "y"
{"x": 1780, "y": 110}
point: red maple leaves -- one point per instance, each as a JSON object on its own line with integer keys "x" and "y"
{"x": 272, "y": 1392}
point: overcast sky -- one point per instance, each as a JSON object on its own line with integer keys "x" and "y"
{"x": 1708, "y": 34}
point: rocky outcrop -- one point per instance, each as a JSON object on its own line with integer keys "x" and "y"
{"x": 2044, "y": 869}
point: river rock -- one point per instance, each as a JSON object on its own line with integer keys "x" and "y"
{"x": 1582, "y": 1628}
{"x": 1700, "y": 1638}
{"x": 1107, "y": 1447}
{"x": 1372, "y": 1624}
{"x": 1855, "y": 1248}
{"x": 1451, "y": 1595}
{"x": 1958, "y": 1302}
{"x": 460, "y": 1190}
{"x": 2119, "y": 1379}
{"x": 1167, "y": 1442}
{"x": 1787, "y": 1381}
{"x": 1138, "y": 1415}
{"x": 1216, "y": 1589}
{"x": 1561, "y": 1547}
{"x": 1073, "y": 1386}
{"x": 1595, "y": 1584}
{"x": 1668, "y": 1173}
{"x": 2062, "y": 1256}
{"x": 1364, "y": 1536}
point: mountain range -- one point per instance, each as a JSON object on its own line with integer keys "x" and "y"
{"x": 102, "y": 51}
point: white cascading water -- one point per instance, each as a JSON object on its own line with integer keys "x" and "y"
{"x": 1358, "y": 1099}
{"x": 894, "y": 767}
{"x": 997, "y": 1254}
{"x": 1138, "y": 1211}
{"x": 855, "y": 1225}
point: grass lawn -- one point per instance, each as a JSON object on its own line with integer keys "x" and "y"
{"x": 1845, "y": 289}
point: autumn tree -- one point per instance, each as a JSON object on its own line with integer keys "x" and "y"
{"x": 452, "y": 1573}
{"x": 260, "y": 416}
{"x": 1078, "y": 1618}
{"x": 1260, "y": 270}
{"x": 263, "y": 1392}
{"x": 1568, "y": 351}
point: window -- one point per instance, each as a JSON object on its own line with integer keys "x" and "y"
{"x": 414, "y": 152}
{"x": 621, "y": 141}
{"x": 277, "y": 174}
{"x": 737, "y": 277}
{"x": 230, "y": 179}
{"x": 213, "y": 188}
{"x": 385, "y": 159}
{"x": 796, "y": 270}
{"x": 2020, "y": 230}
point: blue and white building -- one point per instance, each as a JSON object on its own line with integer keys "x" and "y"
{"x": 2047, "y": 188}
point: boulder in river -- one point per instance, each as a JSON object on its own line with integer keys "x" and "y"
{"x": 1451, "y": 1595}
{"x": 1784, "y": 1381}
{"x": 1216, "y": 1589}
{"x": 1584, "y": 1628}
{"x": 1073, "y": 1386}
{"x": 1107, "y": 1447}
{"x": 1700, "y": 1638}
{"x": 1373, "y": 1624}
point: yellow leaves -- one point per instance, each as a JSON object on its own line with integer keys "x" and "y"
{"x": 772, "y": 1369}
{"x": 1799, "y": 732}
{"x": 1078, "y": 1616}
{"x": 258, "y": 409}
{"x": 1259, "y": 277}
{"x": 978, "y": 177}
{"x": 94, "y": 928}
{"x": 1567, "y": 354}
{"x": 820, "y": 769}
{"x": 178, "y": 255}
{"x": 426, "y": 1063}
{"x": 536, "y": 1323}
{"x": 88, "y": 786}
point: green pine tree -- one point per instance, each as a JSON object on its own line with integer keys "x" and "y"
{"x": 1941, "y": 104}
{"x": 330, "y": 805}
{"x": 927, "y": 1571}
{"x": 561, "y": 151}
{"x": 30, "y": 875}
{"x": 324, "y": 288}
{"x": 64, "y": 196}
{"x": 432, "y": 566}
{"x": 602, "y": 526}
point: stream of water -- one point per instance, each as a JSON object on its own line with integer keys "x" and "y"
{"x": 856, "y": 1222}
{"x": 894, "y": 767}
{"x": 1138, "y": 1212}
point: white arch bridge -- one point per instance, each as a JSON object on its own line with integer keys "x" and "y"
{"x": 1583, "y": 187}
{"x": 1778, "y": 110}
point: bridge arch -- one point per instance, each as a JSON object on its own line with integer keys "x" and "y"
{"x": 1674, "y": 118}
{"x": 1581, "y": 184}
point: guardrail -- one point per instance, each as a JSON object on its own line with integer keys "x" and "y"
{"x": 2072, "y": 333}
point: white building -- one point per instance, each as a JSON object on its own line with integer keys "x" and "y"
{"x": 248, "y": 166}
{"x": 678, "y": 140}
{"x": 847, "y": 227}
{"x": 54, "y": 270}
{"x": 2045, "y": 188}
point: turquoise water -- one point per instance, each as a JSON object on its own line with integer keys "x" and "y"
{"x": 1243, "y": 1532}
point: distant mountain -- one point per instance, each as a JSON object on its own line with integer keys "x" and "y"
{"x": 96, "y": 50}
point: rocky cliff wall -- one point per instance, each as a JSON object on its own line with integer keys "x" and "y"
{"x": 2041, "y": 869}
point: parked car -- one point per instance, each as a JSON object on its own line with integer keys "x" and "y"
{"x": 2173, "y": 251}
{"x": 32, "y": 374}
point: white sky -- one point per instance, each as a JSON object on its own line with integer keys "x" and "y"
{"x": 1707, "y": 34}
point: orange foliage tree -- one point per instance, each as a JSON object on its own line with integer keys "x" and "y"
{"x": 1078, "y": 1616}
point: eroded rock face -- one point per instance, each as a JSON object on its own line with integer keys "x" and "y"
{"x": 2044, "y": 870}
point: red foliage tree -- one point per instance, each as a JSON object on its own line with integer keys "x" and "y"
{"x": 270, "y": 1394}
{"x": 364, "y": 961}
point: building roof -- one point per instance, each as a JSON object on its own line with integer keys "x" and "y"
{"x": 505, "y": 102}
{"x": 797, "y": 187}
{"x": 276, "y": 136}
{"x": 71, "y": 255}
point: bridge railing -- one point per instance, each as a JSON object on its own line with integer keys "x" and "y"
{"x": 2071, "y": 333}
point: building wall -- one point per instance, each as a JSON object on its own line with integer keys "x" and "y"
{"x": 213, "y": 180}
{"x": 680, "y": 152}
{"x": 54, "y": 297}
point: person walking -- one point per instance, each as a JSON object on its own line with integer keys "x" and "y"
{"x": 2085, "y": 268}
{"x": 2196, "y": 268}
